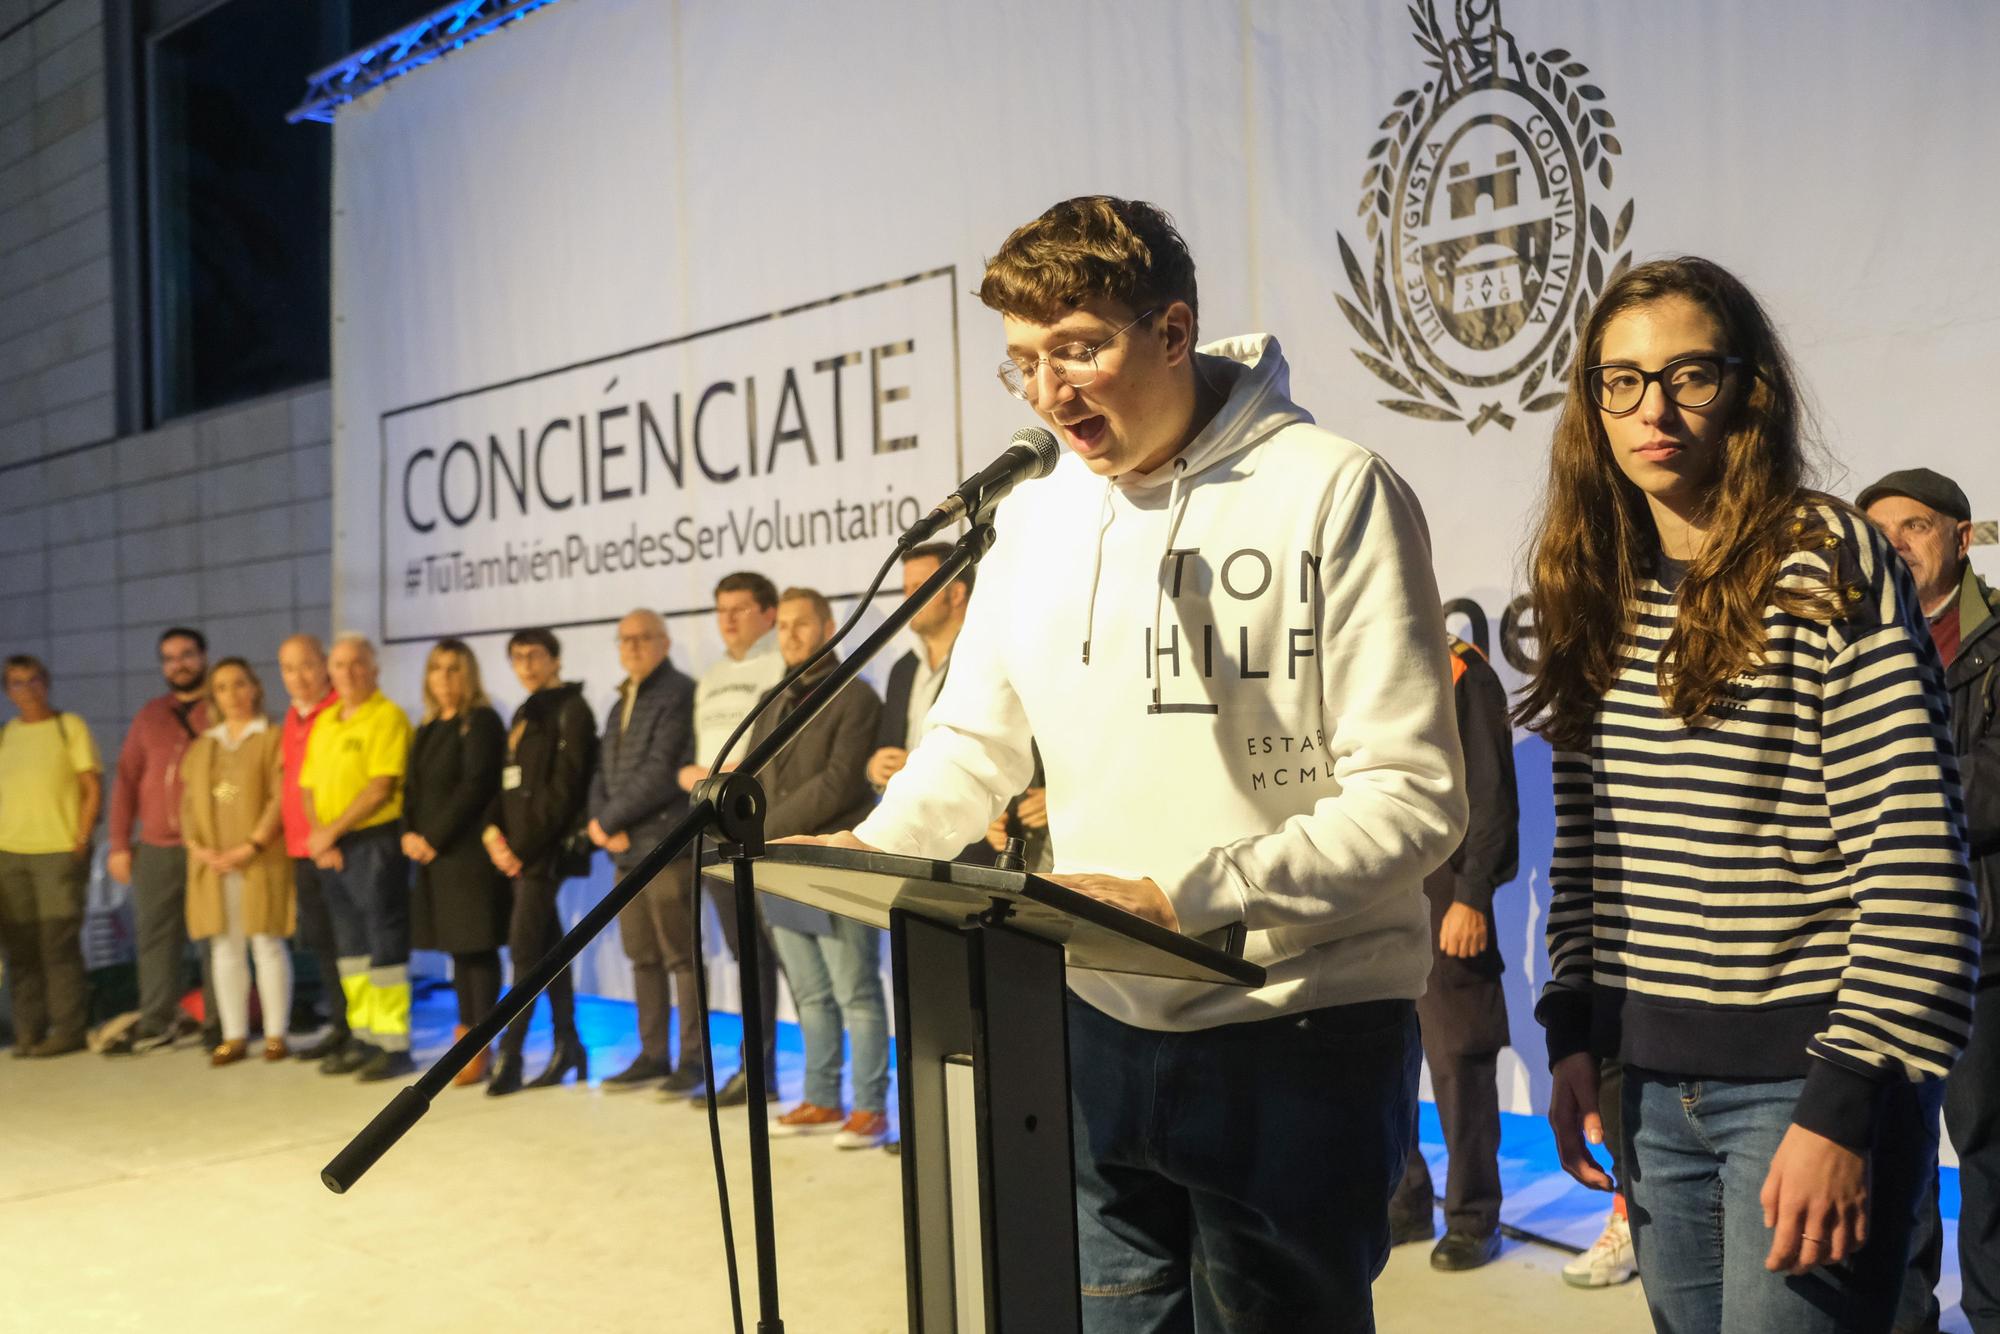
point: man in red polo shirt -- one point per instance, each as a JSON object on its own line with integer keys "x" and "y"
{"x": 302, "y": 662}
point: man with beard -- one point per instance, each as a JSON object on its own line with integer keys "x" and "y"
{"x": 147, "y": 789}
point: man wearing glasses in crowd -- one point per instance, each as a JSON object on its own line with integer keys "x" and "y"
{"x": 1219, "y": 621}
{"x": 635, "y": 799}
{"x": 1927, "y": 518}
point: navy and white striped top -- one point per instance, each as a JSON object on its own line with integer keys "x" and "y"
{"x": 1783, "y": 892}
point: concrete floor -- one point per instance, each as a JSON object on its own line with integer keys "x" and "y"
{"x": 152, "y": 1193}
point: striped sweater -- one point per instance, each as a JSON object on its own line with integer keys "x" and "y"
{"x": 1782, "y": 893}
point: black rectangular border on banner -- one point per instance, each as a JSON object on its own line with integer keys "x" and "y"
{"x": 948, "y": 272}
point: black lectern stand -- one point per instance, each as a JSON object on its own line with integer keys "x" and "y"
{"x": 989, "y": 1194}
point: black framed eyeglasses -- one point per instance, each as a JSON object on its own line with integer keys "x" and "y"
{"x": 1075, "y": 364}
{"x": 1688, "y": 382}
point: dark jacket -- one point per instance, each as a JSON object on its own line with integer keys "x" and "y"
{"x": 460, "y": 901}
{"x": 553, "y": 743}
{"x": 819, "y": 783}
{"x": 637, "y": 789}
{"x": 1974, "y": 680}
{"x": 1489, "y": 854}
{"x": 894, "y": 727}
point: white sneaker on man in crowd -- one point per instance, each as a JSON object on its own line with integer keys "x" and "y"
{"x": 1609, "y": 1261}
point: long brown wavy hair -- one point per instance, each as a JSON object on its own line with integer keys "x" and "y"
{"x": 1595, "y": 541}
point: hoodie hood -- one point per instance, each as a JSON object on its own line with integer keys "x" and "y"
{"x": 1250, "y": 371}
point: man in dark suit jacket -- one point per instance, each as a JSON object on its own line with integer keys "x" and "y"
{"x": 635, "y": 798}
{"x": 816, "y": 785}
{"x": 914, "y": 683}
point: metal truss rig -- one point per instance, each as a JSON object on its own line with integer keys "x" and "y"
{"x": 435, "y": 35}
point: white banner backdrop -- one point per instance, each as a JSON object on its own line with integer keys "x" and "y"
{"x": 591, "y": 272}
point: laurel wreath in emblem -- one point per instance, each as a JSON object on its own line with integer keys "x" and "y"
{"x": 1479, "y": 55}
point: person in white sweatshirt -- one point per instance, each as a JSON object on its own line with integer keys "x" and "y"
{"x": 1220, "y": 623}
{"x": 746, "y": 609}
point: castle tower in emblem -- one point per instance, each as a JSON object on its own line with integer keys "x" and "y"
{"x": 1489, "y": 274}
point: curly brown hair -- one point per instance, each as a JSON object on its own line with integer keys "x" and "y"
{"x": 1125, "y": 250}
{"x": 1594, "y": 541}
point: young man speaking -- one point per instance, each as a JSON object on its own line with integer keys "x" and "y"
{"x": 1220, "y": 623}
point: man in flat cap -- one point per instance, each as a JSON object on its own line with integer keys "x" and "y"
{"x": 1926, "y": 518}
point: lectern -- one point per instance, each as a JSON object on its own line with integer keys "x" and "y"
{"x": 982, "y": 1061}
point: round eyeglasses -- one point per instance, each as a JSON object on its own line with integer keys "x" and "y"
{"x": 1688, "y": 382}
{"x": 1075, "y": 364}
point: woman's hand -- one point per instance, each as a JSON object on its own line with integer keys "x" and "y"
{"x": 1573, "y": 1116}
{"x": 1815, "y": 1197}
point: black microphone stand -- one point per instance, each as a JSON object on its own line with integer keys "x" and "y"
{"x": 732, "y": 805}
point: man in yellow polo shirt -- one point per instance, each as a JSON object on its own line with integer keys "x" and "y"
{"x": 49, "y": 791}
{"x": 353, "y": 784}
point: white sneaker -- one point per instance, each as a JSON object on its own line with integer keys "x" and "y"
{"x": 1609, "y": 1260}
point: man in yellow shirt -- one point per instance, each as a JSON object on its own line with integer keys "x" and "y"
{"x": 352, "y": 779}
{"x": 49, "y": 793}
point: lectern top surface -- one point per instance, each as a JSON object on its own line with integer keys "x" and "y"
{"x": 868, "y": 886}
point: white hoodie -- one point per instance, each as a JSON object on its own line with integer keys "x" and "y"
{"x": 1293, "y": 765}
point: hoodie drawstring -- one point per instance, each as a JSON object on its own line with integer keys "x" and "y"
{"x": 1096, "y": 569}
{"x": 1176, "y": 501}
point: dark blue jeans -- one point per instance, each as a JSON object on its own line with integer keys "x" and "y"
{"x": 369, "y": 897}
{"x": 1238, "y": 1179}
{"x": 1699, "y": 1150}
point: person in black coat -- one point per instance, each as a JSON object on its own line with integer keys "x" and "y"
{"x": 460, "y": 901}
{"x": 1463, "y": 1012}
{"x": 635, "y": 798}
{"x": 913, "y": 686}
{"x": 535, "y": 824}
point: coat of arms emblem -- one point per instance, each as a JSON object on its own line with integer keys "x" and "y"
{"x": 1485, "y": 205}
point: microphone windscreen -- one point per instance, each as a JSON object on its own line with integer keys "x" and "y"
{"x": 1047, "y": 452}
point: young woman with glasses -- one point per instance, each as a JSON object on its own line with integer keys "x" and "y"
{"x": 1760, "y": 898}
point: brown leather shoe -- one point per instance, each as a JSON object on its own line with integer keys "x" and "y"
{"x": 229, "y": 1053}
{"x": 475, "y": 1069}
{"x": 275, "y": 1049}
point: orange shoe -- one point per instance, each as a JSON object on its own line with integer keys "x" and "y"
{"x": 475, "y": 1069}
{"x": 275, "y": 1049}
{"x": 808, "y": 1119}
{"x": 864, "y": 1130}
{"x": 229, "y": 1053}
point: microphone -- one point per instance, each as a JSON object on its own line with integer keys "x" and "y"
{"x": 1033, "y": 453}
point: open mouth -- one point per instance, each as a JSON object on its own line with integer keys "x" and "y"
{"x": 1083, "y": 435}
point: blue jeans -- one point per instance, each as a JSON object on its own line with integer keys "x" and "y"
{"x": 835, "y": 978}
{"x": 1698, "y": 1153}
{"x": 1238, "y": 1178}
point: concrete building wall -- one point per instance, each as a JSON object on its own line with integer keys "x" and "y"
{"x": 222, "y": 520}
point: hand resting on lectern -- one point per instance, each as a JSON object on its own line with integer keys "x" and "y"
{"x": 1141, "y": 898}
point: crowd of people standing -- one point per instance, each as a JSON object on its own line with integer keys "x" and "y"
{"x": 346, "y": 833}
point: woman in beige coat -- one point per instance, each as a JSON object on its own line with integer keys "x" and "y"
{"x": 239, "y": 878}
